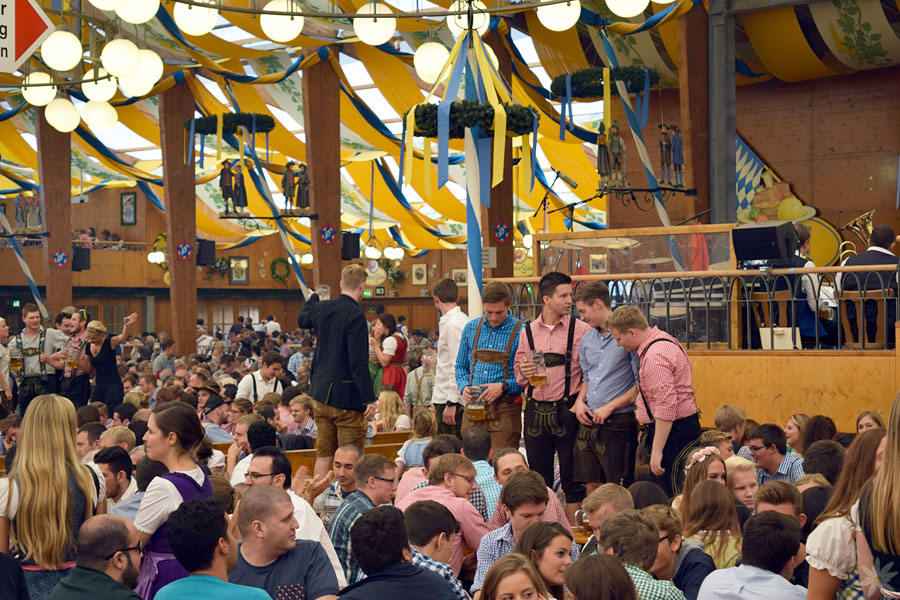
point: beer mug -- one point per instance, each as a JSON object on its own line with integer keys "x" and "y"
{"x": 72, "y": 358}
{"x": 15, "y": 359}
{"x": 323, "y": 291}
{"x": 539, "y": 377}
{"x": 429, "y": 358}
{"x": 474, "y": 407}
{"x": 582, "y": 522}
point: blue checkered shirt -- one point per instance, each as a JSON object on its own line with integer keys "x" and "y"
{"x": 353, "y": 507}
{"x": 484, "y": 477}
{"x": 424, "y": 561}
{"x": 493, "y": 338}
{"x": 790, "y": 469}
{"x": 495, "y": 545}
{"x": 476, "y": 499}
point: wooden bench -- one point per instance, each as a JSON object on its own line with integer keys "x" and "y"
{"x": 391, "y": 437}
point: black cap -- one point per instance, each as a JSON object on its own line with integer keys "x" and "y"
{"x": 212, "y": 403}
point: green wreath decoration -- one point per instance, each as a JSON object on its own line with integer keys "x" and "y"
{"x": 588, "y": 83}
{"x": 220, "y": 268}
{"x": 231, "y": 123}
{"x": 281, "y": 269}
{"x": 471, "y": 113}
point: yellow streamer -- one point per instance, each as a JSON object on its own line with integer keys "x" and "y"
{"x": 408, "y": 142}
{"x": 426, "y": 158}
{"x": 499, "y": 125}
{"x": 220, "y": 125}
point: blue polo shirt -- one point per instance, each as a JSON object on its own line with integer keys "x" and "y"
{"x": 608, "y": 369}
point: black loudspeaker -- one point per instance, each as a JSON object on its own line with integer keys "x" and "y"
{"x": 349, "y": 245}
{"x": 81, "y": 259}
{"x": 206, "y": 253}
{"x": 770, "y": 240}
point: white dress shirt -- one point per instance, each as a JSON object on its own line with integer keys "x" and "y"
{"x": 245, "y": 387}
{"x": 450, "y": 327}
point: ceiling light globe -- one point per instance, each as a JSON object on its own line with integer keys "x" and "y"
{"x": 137, "y": 12}
{"x": 559, "y": 17}
{"x": 61, "y": 50}
{"x": 281, "y": 28}
{"x": 100, "y": 116}
{"x": 372, "y": 253}
{"x": 196, "y": 20}
{"x": 150, "y": 67}
{"x": 459, "y": 23}
{"x": 38, "y": 95}
{"x": 101, "y": 90}
{"x": 374, "y": 23}
{"x": 120, "y": 57}
{"x": 135, "y": 87}
{"x": 627, "y": 8}
{"x": 62, "y": 115}
{"x": 429, "y": 61}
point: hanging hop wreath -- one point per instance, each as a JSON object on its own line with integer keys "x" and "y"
{"x": 588, "y": 83}
{"x": 220, "y": 268}
{"x": 394, "y": 274}
{"x": 231, "y": 123}
{"x": 472, "y": 113}
{"x": 281, "y": 269}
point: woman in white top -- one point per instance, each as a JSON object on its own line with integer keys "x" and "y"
{"x": 52, "y": 495}
{"x": 831, "y": 547}
{"x": 173, "y": 431}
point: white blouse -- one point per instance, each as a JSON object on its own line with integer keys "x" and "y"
{"x": 160, "y": 500}
{"x": 831, "y": 547}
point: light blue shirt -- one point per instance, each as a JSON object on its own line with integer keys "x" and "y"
{"x": 484, "y": 477}
{"x": 748, "y": 583}
{"x": 608, "y": 369}
{"x": 216, "y": 434}
{"x": 128, "y": 507}
{"x": 489, "y": 338}
{"x": 790, "y": 469}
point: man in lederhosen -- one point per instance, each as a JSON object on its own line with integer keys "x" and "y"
{"x": 485, "y": 359}
{"x": 36, "y": 345}
{"x": 75, "y": 383}
{"x": 550, "y": 426}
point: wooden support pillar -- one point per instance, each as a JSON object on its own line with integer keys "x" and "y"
{"x": 501, "y": 208}
{"x": 322, "y": 122}
{"x": 175, "y": 107}
{"x": 693, "y": 95}
{"x": 54, "y": 170}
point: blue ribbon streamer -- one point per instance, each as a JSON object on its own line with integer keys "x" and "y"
{"x": 403, "y": 150}
{"x": 202, "y": 149}
{"x": 190, "y": 155}
{"x": 443, "y": 111}
{"x": 645, "y": 108}
{"x": 32, "y": 285}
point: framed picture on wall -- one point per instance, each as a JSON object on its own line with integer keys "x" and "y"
{"x": 598, "y": 263}
{"x": 128, "y": 208}
{"x": 460, "y": 276}
{"x": 420, "y": 274}
{"x": 239, "y": 273}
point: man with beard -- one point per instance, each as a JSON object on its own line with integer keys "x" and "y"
{"x": 75, "y": 383}
{"x": 109, "y": 555}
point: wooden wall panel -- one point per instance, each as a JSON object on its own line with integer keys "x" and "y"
{"x": 771, "y": 386}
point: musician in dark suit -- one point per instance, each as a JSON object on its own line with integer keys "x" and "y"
{"x": 880, "y": 252}
{"x": 341, "y": 387}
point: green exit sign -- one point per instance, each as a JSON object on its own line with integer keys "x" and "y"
{"x": 16, "y": 303}
{"x": 367, "y": 293}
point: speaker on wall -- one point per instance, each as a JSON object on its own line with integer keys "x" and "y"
{"x": 81, "y": 259}
{"x": 349, "y": 245}
{"x": 769, "y": 240}
{"x": 206, "y": 253}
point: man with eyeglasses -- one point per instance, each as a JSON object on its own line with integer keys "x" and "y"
{"x": 109, "y": 558}
{"x": 768, "y": 448}
{"x": 451, "y": 478}
{"x": 375, "y": 486}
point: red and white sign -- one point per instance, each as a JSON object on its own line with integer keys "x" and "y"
{"x": 23, "y": 26}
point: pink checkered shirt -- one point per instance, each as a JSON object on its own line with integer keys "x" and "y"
{"x": 666, "y": 379}
{"x": 552, "y": 340}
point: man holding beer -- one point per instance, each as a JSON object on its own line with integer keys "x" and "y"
{"x": 546, "y": 363}
{"x": 75, "y": 383}
{"x": 484, "y": 369}
{"x": 29, "y": 356}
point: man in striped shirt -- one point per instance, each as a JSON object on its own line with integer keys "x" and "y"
{"x": 665, "y": 383}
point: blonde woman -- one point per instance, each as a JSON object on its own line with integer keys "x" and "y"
{"x": 713, "y": 520}
{"x": 100, "y": 358}
{"x": 390, "y": 415}
{"x": 46, "y": 495}
{"x": 793, "y": 431}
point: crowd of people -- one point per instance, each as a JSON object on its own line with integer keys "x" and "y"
{"x": 558, "y": 458}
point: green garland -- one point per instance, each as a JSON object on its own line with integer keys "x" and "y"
{"x": 588, "y": 83}
{"x": 471, "y": 113}
{"x": 281, "y": 269}
{"x": 220, "y": 268}
{"x": 231, "y": 123}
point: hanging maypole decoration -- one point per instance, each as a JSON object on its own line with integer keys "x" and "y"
{"x": 487, "y": 111}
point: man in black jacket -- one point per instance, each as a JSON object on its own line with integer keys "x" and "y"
{"x": 340, "y": 384}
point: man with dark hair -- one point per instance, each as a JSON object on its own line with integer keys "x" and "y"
{"x": 825, "y": 457}
{"x": 327, "y": 501}
{"x": 879, "y": 252}
{"x": 202, "y": 542}
{"x": 75, "y": 383}
{"x": 123, "y": 413}
{"x": 375, "y": 485}
{"x": 684, "y": 563}
{"x": 523, "y": 498}
{"x": 606, "y": 403}
{"x": 477, "y": 448}
{"x": 446, "y": 397}
{"x": 768, "y": 448}
{"x": 108, "y": 552}
{"x": 271, "y": 467}
{"x": 271, "y": 557}
{"x": 507, "y": 462}
{"x": 431, "y": 528}
{"x": 145, "y": 471}
{"x": 769, "y": 552}
{"x": 116, "y": 466}
{"x": 486, "y": 361}
{"x": 550, "y": 425}
{"x": 381, "y": 548}
{"x": 165, "y": 361}
{"x": 87, "y": 439}
{"x": 260, "y": 435}
{"x": 257, "y": 384}
{"x": 148, "y": 385}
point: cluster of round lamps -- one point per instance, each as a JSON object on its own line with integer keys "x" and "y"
{"x": 373, "y": 252}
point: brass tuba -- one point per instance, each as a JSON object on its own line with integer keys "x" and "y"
{"x": 861, "y": 227}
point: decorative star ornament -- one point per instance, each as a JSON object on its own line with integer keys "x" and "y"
{"x": 501, "y": 232}
{"x": 184, "y": 250}
{"x": 328, "y": 234}
{"x": 60, "y": 259}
